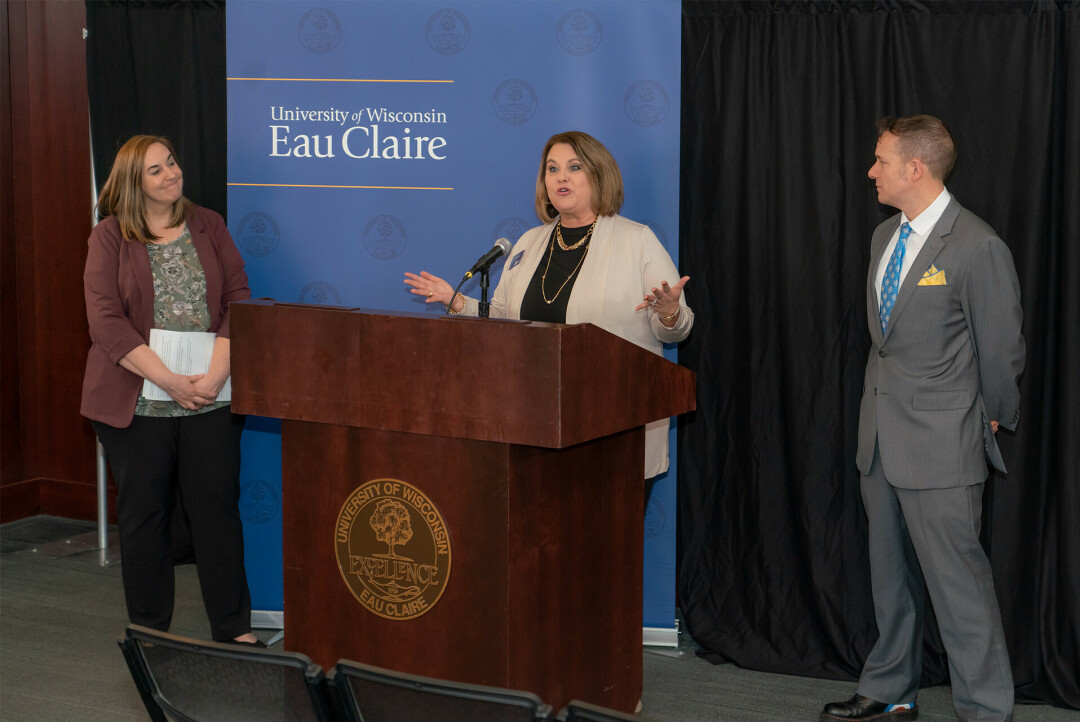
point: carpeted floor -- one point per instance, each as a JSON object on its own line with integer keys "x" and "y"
{"x": 60, "y": 619}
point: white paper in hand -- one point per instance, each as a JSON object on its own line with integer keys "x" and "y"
{"x": 183, "y": 352}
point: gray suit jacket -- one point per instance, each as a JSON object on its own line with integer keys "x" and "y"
{"x": 949, "y": 361}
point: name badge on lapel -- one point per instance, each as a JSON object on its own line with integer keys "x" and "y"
{"x": 515, "y": 260}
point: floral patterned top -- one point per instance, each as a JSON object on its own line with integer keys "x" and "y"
{"x": 179, "y": 305}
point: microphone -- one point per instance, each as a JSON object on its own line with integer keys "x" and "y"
{"x": 501, "y": 248}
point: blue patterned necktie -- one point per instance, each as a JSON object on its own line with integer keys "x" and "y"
{"x": 890, "y": 283}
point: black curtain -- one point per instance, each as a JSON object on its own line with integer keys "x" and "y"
{"x": 159, "y": 68}
{"x": 779, "y": 105}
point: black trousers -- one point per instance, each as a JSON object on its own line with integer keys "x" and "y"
{"x": 199, "y": 456}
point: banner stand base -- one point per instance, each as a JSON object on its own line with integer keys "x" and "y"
{"x": 261, "y": 619}
{"x": 660, "y": 636}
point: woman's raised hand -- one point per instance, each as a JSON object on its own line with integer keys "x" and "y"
{"x": 664, "y": 299}
{"x": 433, "y": 288}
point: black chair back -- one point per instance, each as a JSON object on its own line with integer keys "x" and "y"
{"x": 372, "y": 694}
{"x": 195, "y": 681}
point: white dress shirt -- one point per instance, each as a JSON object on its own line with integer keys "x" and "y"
{"x": 920, "y": 229}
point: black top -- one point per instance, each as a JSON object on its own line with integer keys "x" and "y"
{"x": 534, "y": 307}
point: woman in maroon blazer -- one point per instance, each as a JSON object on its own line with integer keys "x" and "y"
{"x": 156, "y": 260}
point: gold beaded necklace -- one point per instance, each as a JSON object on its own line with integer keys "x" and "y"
{"x": 551, "y": 252}
{"x": 562, "y": 243}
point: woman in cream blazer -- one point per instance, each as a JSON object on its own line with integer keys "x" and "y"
{"x": 607, "y": 270}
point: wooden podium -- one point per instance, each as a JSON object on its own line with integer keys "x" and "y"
{"x": 462, "y": 498}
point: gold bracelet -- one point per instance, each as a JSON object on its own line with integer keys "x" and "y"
{"x": 672, "y": 316}
{"x": 450, "y": 306}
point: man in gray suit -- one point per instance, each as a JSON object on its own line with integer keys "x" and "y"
{"x": 943, "y": 302}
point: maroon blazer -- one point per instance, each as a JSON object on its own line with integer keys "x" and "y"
{"x": 119, "y": 290}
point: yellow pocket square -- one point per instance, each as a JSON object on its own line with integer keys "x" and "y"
{"x": 933, "y": 277}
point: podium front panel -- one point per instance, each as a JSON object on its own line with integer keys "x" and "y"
{"x": 543, "y": 587}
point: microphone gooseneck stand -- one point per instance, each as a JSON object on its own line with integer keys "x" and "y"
{"x": 485, "y": 307}
{"x": 483, "y": 266}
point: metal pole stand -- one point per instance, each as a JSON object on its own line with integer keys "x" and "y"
{"x": 485, "y": 307}
{"x": 101, "y": 547}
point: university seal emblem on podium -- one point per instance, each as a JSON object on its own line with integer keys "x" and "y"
{"x": 393, "y": 549}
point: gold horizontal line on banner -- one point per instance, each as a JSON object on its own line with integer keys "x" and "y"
{"x": 344, "y": 80}
{"x": 378, "y": 188}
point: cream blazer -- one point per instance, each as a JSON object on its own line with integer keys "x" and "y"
{"x": 625, "y": 261}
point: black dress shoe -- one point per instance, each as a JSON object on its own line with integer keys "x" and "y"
{"x": 864, "y": 708}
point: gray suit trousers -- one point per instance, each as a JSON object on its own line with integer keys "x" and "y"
{"x": 933, "y": 534}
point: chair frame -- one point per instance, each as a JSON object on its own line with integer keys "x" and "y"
{"x": 348, "y": 706}
{"x": 595, "y": 713}
{"x": 157, "y": 705}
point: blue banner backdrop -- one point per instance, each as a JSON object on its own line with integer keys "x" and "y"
{"x": 367, "y": 139}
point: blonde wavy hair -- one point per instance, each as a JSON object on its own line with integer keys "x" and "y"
{"x": 122, "y": 195}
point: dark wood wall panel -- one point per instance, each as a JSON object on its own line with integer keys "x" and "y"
{"x": 50, "y": 193}
{"x": 10, "y": 457}
{"x": 73, "y": 499}
{"x": 19, "y": 499}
